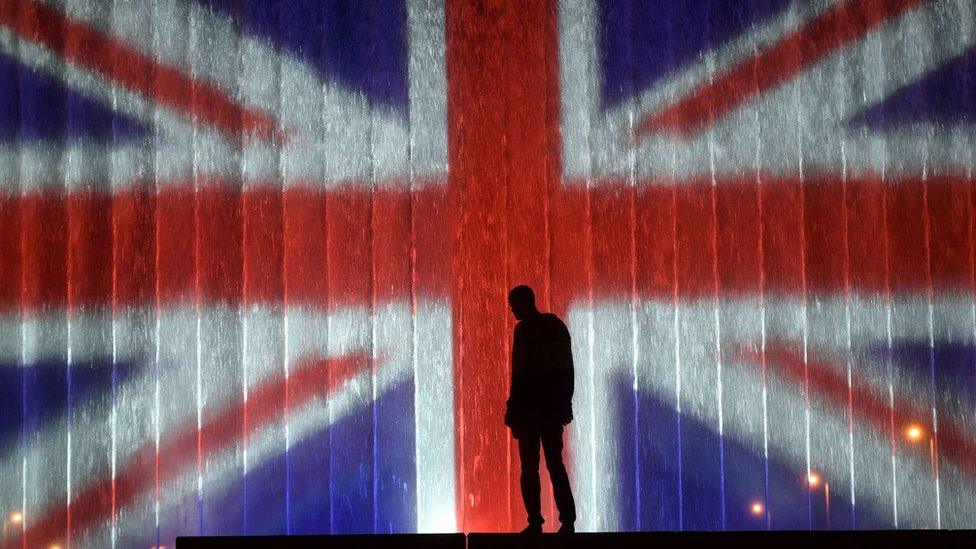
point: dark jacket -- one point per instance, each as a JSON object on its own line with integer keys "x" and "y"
{"x": 542, "y": 374}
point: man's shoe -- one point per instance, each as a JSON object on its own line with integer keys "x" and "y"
{"x": 532, "y": 529}
{"x": 567, "y": 528}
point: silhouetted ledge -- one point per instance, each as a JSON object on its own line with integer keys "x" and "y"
{"x": 886, "y": 539}
{"x": 372, "y": 541}
{"x": 935, "y": 539}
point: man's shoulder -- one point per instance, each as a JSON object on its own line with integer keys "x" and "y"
{"x": 551, "y": 317}
{"x": 539, "y": 321}
{"x": 540, "y": 328}
{"x": 555, "y": 323}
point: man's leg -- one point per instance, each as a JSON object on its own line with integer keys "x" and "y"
{"x": 552, "y": 447}
{"x": 529, "y": 457}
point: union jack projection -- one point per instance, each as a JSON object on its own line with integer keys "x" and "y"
{"x": 254, "y": 258}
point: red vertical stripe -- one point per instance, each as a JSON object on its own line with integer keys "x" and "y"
{"x": 534, "y": 177}
{"x": 529, "y": 180}
{"x": 572, "y": 244}
{"x": 476, "y": 57}
{"x": 500, "y": 165}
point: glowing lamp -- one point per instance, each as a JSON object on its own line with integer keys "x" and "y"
{"x": 757, "y": 508}
{"x": 54, "y": 546}
{"x": 813, "y": 479}
{"x": 16, "y": 517}
{"x": 914, "y": 432}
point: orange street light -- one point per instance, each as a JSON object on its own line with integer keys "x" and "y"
{"x": 914, "y": 432}
{"x": 15, "y": 518}
{"x": 757, "y": 508}
{"x": 813, "y": 479}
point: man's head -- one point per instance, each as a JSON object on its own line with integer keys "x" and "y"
{"x": 522, "y": 301}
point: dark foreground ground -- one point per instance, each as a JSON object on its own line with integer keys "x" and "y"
{"x": 915, "y": 539}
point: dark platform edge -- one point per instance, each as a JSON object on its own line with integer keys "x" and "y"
{"x": 789, "y": 538}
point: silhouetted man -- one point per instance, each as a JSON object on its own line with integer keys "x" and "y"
{"x": 540, "y": 402}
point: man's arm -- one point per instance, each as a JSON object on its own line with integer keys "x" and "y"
{"x": 510, "y": 404}
{"x": 568, "y": 376}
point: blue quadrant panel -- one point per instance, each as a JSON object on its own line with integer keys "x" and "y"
{"x": 671, "y": 475}
{"x": 361, "y": 44}
{"x": 642, "y": 42}
{"x": 37, "y": 107}
{"x": 40, "y": 394}
{"x": 946, "y": 96}
{"x": 356, "y": 477}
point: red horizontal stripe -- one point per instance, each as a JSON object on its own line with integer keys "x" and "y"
{"x": 326, "y": 249}
{"x": 219, "y": 245}
{"x": 826, "y": 235}
{"x": 824, "y": 35}
{"x": 182, "y": 449}
{"x": 78, "y": 42}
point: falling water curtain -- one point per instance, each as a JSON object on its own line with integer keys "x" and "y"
{"x": 254, "y": 259}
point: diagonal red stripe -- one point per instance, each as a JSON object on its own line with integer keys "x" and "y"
{"x": 204, "y": 103}
{"x": 824, "y": 35}
{"x": 147, "y": 468}
{"x": 870, "y": 407}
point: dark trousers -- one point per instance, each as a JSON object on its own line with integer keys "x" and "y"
{"x": 551, "y": 438}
